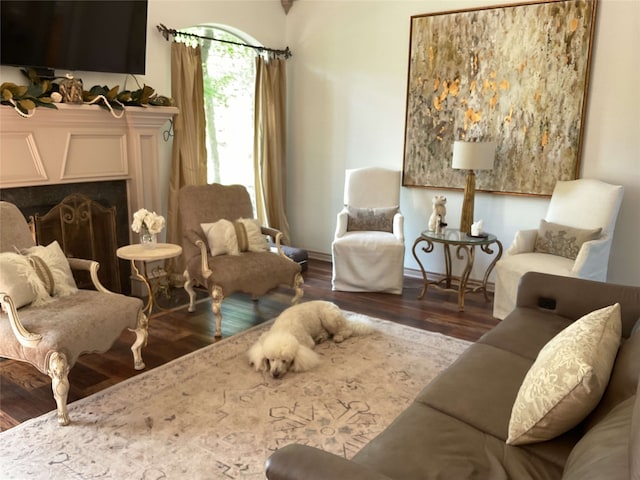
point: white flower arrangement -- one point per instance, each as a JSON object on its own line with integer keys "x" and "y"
{"x": 143, "y": 220}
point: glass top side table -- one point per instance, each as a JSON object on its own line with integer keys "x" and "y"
{"x": 465, "y": 246}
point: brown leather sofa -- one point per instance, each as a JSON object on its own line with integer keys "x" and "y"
{"x": 457, "y": 426}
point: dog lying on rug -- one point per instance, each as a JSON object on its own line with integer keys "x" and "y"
{"x": 288, "y": 344}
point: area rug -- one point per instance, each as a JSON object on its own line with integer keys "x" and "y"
{"x": 209, "y": 415}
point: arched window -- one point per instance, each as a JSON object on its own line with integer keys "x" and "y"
{"x": 229, "y": 89}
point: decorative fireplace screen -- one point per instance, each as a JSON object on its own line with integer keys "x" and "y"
{"x": 84, "y": 229}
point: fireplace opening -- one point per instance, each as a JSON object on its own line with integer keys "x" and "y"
{"x": 39, "y": 200}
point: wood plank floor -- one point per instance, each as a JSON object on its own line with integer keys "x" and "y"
{"x": 26, "y": 393}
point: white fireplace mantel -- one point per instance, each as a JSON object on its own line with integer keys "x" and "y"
{"x": 85, "y": 143}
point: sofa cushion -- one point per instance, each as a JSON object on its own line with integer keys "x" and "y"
{"x": 624, "y": 378}
{"x": 562, "y": 240}
{"x": 525, "y": 331}
{"x": 603, "y": 452}
{"x": 425, "y": 443}
{"x": 567, "y": 379}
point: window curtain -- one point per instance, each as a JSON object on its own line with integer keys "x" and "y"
{"x": 189, "y": 161}
{"x": 269, "y": 150}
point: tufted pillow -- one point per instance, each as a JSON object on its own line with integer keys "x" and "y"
{"x": 57, "y": 262}
{"x": 250, "y": 236}
{"x": 568, "y": 378}
{"x": 221, "y": 237}
{"x": 370, "y": 219}
{"x": 561, "y": 240}
{"x": 20, "y": 281}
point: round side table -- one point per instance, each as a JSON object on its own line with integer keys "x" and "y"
{"x": 465, "y": 248}
{"x": 143, "y": 254}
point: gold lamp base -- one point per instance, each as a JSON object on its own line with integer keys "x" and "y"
{"x": 466, "y": 219}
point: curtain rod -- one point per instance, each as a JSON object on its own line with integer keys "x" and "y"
{"x": 166, "y": 32}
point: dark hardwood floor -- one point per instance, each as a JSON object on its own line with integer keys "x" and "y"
{"x": 26, "y": 393}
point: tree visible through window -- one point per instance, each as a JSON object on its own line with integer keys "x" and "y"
{"x": 229, "y": 83}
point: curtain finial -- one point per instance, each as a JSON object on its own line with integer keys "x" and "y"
{"x": 286, "y": 4}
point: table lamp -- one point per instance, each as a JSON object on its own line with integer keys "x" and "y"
{"x": 471, "y": 156}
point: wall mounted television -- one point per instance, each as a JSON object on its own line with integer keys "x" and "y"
{"x": 71, "y": 35}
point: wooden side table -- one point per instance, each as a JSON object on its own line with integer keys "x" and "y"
{"x": 465, "y": 249}
{"x": 143, "y": 254}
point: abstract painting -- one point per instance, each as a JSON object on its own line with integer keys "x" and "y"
{"x": 515, "y": 74}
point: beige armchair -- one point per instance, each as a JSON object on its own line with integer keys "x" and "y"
{"x": 573, "y": 240}
{"x": 45, "y": 320}
{"x": 216, "y": 260}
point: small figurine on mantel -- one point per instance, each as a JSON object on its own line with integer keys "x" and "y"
{"x": 71, "y": 89}
{"x": 436, "y": 221}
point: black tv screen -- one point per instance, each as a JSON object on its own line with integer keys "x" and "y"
{"x": 94, "y": 36}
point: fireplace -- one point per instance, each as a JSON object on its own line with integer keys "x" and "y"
{"x": 84, "y": 149}
{"x": 38, "y": 201}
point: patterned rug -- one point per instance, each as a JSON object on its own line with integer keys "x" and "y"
{"x": 209, "y": 415}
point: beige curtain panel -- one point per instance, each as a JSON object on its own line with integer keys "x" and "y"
{"x": 189, "y": 162}
{"x": 270, "y": 143}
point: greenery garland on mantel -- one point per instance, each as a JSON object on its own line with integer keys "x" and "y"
{"x": 45, "y": 93}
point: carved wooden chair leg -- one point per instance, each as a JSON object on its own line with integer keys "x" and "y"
{"x": 216, "y": 301}
{"x": 297, "y": 286}
{"x": 188, "y": 286}
{"x": 142, "y": 334}
{"x": 58, "y": 371}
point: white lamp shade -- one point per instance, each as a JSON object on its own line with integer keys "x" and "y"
{"x": 473, "y": 155}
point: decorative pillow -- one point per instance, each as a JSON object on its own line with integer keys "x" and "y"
{"x": 44, "y": 273}
{"x": 561, "y": 240}
{"x": 370, "y": 219}
{"x": 20, "y": 281}
{"x": 249, "y": 235}
{"x": 221, "y": 237}
{"x": 567, "y": 379}
{"x": 58, "y": 264}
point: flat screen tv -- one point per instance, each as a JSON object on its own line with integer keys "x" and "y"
{"x": 93, "y": 36}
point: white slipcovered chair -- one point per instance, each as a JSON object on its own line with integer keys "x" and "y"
{"x": 573, "y": 240}
{"x": 368, "y": 247}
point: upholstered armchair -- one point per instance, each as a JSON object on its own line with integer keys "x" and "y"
{"x": 573, "y": 240}
{"x": 368, "y": 246}
{"x": 46, "y": 320}
{"x": 225, "y": 249}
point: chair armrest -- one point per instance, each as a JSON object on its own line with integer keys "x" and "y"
{"x": 296, "y": 462}
{"x": 573, "y": 298}
{"x": 204, "y": 258}
{"x": 92, "y": 267}
{"x": 341, "y": 223}
{"x": 276, "y": 235}
{"x": 398, "y": 226}
{"x": 24, "y": 336}
{"x": 593, "y": 259}
{"x": 523, "y": 242}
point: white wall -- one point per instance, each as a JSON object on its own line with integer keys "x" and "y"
{"x": 347, "y": 85}
{"x": 347, "y": 93}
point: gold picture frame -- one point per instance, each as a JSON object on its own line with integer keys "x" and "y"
{"x": 516, "y": 74}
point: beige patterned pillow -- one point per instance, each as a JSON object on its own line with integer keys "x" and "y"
{"x": 371, "y": 219}
{"x": 561, "y": 240}
{"x": 568, "y": 378}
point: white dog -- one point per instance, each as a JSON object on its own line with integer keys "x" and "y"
{"x": 288, "y": 345}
